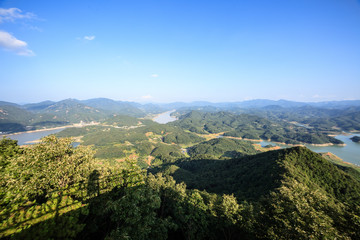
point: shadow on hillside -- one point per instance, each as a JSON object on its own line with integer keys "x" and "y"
{"x": 56, "y": 216}
{"x": 177, "y": 216}
{"x": 248, "y": 178}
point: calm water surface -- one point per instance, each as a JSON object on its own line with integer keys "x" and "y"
{"x": 165, "y": 117}
{"x": 27, "y": 137}
{"x": 349, "y": 153}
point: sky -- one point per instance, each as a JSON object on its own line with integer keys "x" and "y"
{"x": 180, "y": 50}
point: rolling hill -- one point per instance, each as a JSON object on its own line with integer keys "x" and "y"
{"x": 250, "y": 127}
{"x": 297, "y": 193}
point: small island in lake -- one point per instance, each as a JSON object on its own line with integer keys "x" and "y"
{"x": 355, "y": 139}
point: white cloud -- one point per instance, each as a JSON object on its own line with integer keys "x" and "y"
{"x": 89, "y": 38}
{"x": 10, "y": 43}
{"x": 11, "y": 14}
{"x": 147, "y": 97}
{"x": 154, "y": 75}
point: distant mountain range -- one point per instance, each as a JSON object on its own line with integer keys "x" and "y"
{"x": 259, "y": 103}
{"x": 16, "y": 117}
{"x": 132, "y": 107}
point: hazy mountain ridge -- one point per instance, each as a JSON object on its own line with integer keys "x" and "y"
{"x": 49, "y": 113}
{"x": 259, "y": 103}
{"x": 17, "y": 118}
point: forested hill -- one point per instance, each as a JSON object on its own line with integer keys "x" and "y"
{"x": 299, "y": 192}
{"x": 53, "y": 190}
{"x": 222, "y": 148}
{"x": 253, "y": 176}
{"x": 327, "y": 117}
{"x": 46, "y": 114}
{"x": 250, "y": 127}
{"x": 17, "y": 118}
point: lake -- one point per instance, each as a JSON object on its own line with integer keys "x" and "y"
{"x": 349, "y": 153}
{"x": 165, "y": 117}
{"x": 27, "y": 137}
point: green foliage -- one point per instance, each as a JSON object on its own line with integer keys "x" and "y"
{"x": 42, "y": 189}
{"x": 73, "y": 132}
{"x": 144, "y": 148}
{"x": 326, "y": 120}
{"x": 49, "y": 165}
{"x": 110, "y": 136}
{"x": 55, "y": 219}
{"x": 111, "y": 143}
{"x": 181, "y": 137}
{"x": 134, "y": 214}
{"x": 8, "y": 150}
{"x": 294, "y": 211}
{"x": 251, "y": 127}
{"x": 52, "y": 190}
{"x": 115, "y": 107}
{"x": 122, "y": 121}
{"x": 296, "y": 193}
{"x": 166, "y": 153}
{"x": 129, "y": 211}
{"x": 117, "y": 151}
{"x": 222, "y": 147}
{"x": 15, "y": 119}
{"x": 73, "y": 111}
{"x": 248, "y": 178}
{"x": 346, "y": 121}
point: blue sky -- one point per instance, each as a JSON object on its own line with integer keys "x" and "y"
{"x": 165, "y": 51}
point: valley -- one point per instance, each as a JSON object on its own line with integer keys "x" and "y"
{"x": 179, "y": 120}
{"x": 220, "y": 170}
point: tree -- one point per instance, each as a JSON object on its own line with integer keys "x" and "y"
{"x": 8, "y": 149}
{"x": 50, "y": 165}
{"x": 294, "y": 211}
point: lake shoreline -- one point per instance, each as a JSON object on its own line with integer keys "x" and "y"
{"x": 49, "y": 129}
{"x": 294, "y": 145}
{"x": 164, "y": 117}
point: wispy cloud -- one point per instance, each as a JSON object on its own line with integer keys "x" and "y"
{"x": 11, "y": 14}
{"x": 154, "y": 75}
{"x": 89, "y": 38}
{"x": 7, "y": 41}
{"x": 147, "y": 97}
{"x": 10, "y": 43}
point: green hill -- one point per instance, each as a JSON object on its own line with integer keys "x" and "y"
{"x": 122, "y": 121}
{"x": 114, "y": 107}
{"x": 72, "y": 110}
{"x": 222, "y": 147}
{"x": 253, "y": 176}
{"x": 35, "y": 107}
{"x": 297, "y": 193}
{"x": 285, "y": 194}
{"x": 14, "y": 119}
{"x": 251, "y": 127}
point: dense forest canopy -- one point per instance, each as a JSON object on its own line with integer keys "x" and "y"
{"x": 251, "y": 127}
{"x": 284, "y": 194}
{"x": 201, "y": 177}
